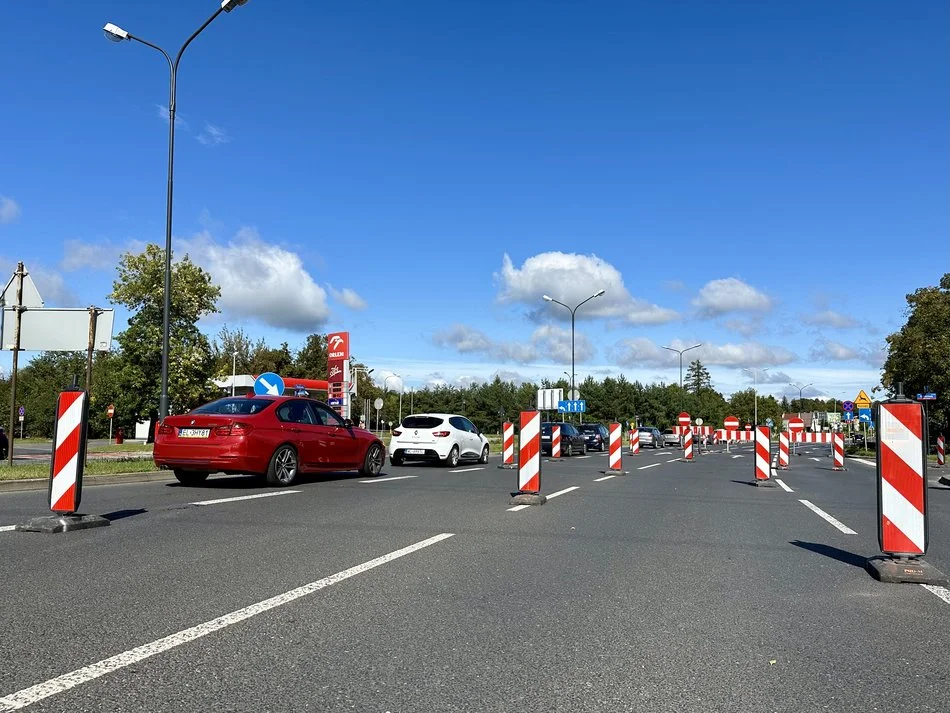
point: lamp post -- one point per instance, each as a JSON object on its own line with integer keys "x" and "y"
{"x": 681, "y": 352}
{"x": 117, "y": 34}
{"x": 801, "y": 391}
{"x": 573, "y": 311}
{"x": 233, "y": 371}
{"x": 755, "y": 389}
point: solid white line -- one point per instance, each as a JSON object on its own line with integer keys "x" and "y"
{"x": 386, "y": 480}
{"x": 652, "y": 465}
{"x": 784, "y": 487}
{"x": 825, "y": 516}
{"x": 817, "y": 460}
{"x": 561, "y": 492}
{"x": 866, "y": 462}
{"x": 673, "y": 461}
{"x": 581, "y": 457}
{"x": 246, "y": 497}
{"x": 606, "y": 477}
{"x": 60, "y": 684}
{"x": 7, "y": 528}
{"x": 516, "y": 508}
{"x": 941, "y": 592}
{"x": 734, "y": 457}
{"x": 464, "y": 470}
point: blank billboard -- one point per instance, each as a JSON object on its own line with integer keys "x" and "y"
{"x": 56, "y": 330}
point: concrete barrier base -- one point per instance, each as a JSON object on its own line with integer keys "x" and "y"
{"x": 905, "y": 570}
{"x": 528, "y": 499}
{"x": 508, "y": 466}
{"x": 611, "y": 471}
{"x": 51, "y": 524}
{"x": 944, "y": 480}
{"x": 764, "y": 483}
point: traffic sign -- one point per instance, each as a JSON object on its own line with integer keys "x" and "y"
{"x": 22, "y": 411}
{"x": 769, "y": 422}
{"x": 268, "y": 384}
{"x": 848, "y": 415}
{"x": 684, "y": 419}
{"x": 110, "y": 410}
{"x": 847, "y": 406}
{"x": 748, "y": 427}
{"x": 574, "y": 395}
{"x": 572, "y": 406}
{"x": 378, "y": 404}
{"x": 864, "y": 415}
{"x": 862, "y": 400}
{"x": 699, "y": 422}
{"x": 796, "y": 424}
{"x": 334, "y": 402}
{"x": 731, "y": 422}
{"x": 929, "y": 396}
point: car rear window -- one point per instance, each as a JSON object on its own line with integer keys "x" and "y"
{"x": 644, "y": 429}
{"x": 593, "y": 428}
{"x": 669, "y": 432}
{"x": 242, "y": 406}
{"x": 422, "y": 422}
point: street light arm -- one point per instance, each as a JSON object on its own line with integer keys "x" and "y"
{"x": 196, "y": 33}
{"x": 597, "y": 294}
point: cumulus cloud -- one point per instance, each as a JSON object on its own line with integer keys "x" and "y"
{"x": 830, "y": 350}
{"x": 50, "y": 283}
{"x": 641, "y": 351}
{"x": 347, "y": 298}
{"x": 103, "y": 255}
{"x": 510, "y": 376}
{"x": 718, "y": 297}
{"x": 830, "y": 318}
{"x": 571, "y": 278}
{"x": 213, "y": 135}
{"x": 9, "y": 210}
{"x": 744, "y": 327}
{"x": 547, "y": 342}
{"x": 773, "y": 377}
{"x": 260, "y": 280}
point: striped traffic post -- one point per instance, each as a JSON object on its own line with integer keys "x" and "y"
{"x": 688, "y": 445}
{"x": 66, "y": 468}
{"x": 615, "y": 457}
{"x": 730, "y": 423}
{"x": 783, "y": 438}
{"x": 837, "y": 447}
{"x": 634, "y": 442}
{"x": 508, "y": 446}
{"x": 902, "y": 494}
{"x": 529, "y": 461}
{"x": 555, "y": 441}
{"x": 763, "y": 455}
{"x": 941, "y": 450}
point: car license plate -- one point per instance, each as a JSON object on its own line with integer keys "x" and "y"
{"x": 415, "y": 452}
{"x": 194, "y": 432}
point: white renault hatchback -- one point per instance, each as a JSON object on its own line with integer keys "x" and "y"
{"x": 444, "y": 437}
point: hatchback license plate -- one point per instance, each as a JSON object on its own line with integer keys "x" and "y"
{"x": 194, "y": 432}
{"x": 415, "y": 452}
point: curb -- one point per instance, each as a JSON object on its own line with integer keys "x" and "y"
{"x": 9, "y": 486}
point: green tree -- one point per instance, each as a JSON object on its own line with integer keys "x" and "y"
{"x": 311, "y": 361}
{"x": 264, "y": 359}
{"x": 917, "y": 353}
{"x": 226, "y": 345}
{"x": 697, "y": 377}
{"x": 139, "y": 288}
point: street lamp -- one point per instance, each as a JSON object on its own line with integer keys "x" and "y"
{"x": 573, "y": 311}
{"x": 681, "y": 352}
{"x": 755, "y": 387}
{"x": 117, "y": 34}
{"x": 801, "y": 390}
{"x": 233, "y": 371}
{"x": 401, "y": 389}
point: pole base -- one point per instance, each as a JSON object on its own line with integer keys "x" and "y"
{"x": 763, "y": 483}
{"x": 52, "y": 524}
{"x": 944, "y": 480}
{"x": 838, "y": 468}
{"x": 521, "y": 498}
{"x": 904, "y": 570}
{"x": 554, "y": 460}
{"x": 508, "y": 466}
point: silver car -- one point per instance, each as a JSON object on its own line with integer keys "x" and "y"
{"x": 671, "y": 438}
{"x": 650, "y": 436}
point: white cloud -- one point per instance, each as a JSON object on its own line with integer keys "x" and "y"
{"x": 829, "y": 350}
{"x": 213, "y": 135}
{"x": 260, "y": 281}
{"x": 744, "y": 327}
{"x": 52, "y": 286}
{"x": 571, "y": 278}
{"x": 510, "y": 376}
{"x": 80, "y": 255}
{"x": 718, "y": 297}
{"x": 830, "y": 318}
{"x": 390, "y": 380}
{"x": 180, "y": 123}
{"x": 641, "y": 351}
{"x": 675, "y": 285}
{"x": 9, "y": 210}
{"x": 548, "y": 343}
{"x": 347, "y": 298}
{"x": 773, "y": 377}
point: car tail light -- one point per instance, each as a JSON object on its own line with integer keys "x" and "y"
{"x": 397, "y": 432}
{"x": 441, "y": 434}
{"x": 165, "y": 430}
{"x": 234, "y": 429}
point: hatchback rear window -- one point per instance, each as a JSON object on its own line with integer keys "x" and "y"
{"x": 241, "y": 406}
{"x": 422, "y": 422}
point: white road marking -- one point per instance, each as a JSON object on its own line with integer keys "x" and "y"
{"x": 817, "y": 460}
{"x": 7, "y": 528}
{"x": 784, "y": 487}
{"x": 581, "y": 457}
{"x": 866, "y": 462}
{"x": 652, "y": 465}
{"x": 737, "y": 456}
{"x": 941, "y": 592}
{"x": 386, "y": 480}
{"x": 246, "y": 497}
{"x": 825, "y": 516}
{"x": 606, "y": 477}
{"x": 464, "y": 470}
{"x": 61, "y": 684}
{"x": 561, "y": 492}
{"x": 673, "y": 461}
{"x": 516, "y": 508}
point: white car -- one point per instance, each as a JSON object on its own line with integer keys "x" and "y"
{"x": 444, "y": 437}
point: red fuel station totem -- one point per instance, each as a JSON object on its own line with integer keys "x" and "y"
{"x": 69, "y": 451}
{"x": 902, "y": 479}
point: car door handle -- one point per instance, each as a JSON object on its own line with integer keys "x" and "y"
{"x": 294, "y": 429}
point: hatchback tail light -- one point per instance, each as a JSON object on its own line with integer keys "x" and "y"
{"x": 441, "y": 434}
{"x": 397, "y": 432}
{"x": 165, "y": 430}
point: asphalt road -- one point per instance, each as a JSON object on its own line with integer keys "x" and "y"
{"x": 678, "y": 587}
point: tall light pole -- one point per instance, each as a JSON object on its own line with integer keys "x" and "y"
{"x": 755, "y": 388}
{"x": 117, "y": 34}
{"x": 233, "y": 371}
{"x": 573, "y": 311}
{"x": 801, "y": 391}
{"x": 401, "y": 389}
{"x": 681, "y": 352}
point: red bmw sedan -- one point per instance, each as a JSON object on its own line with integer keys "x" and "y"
{"x": 278, "y": 437}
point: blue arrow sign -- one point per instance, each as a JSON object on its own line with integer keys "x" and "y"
{"x": 269, "y": 384}
{"x": 578, "y": 406}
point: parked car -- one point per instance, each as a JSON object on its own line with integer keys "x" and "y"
{"x": 573, "y": 442}
{"x": 443, "y": 437}
{"x": 671, "y": 438}
{"x": 278, "y": 437}
{"x": 650, "y": 436}
{"x": 596, "y": 435}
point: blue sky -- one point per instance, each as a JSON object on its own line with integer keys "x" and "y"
{"x": 769, "y": 179}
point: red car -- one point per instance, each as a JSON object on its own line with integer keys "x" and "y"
{"x": 278, "y": 437}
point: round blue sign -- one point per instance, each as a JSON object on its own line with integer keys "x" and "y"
{"x": 268, "y": 384}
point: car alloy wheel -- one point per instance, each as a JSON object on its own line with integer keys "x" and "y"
{"x": 453, "y": 459}
{"x": 373, "y": 462}
{"x": 283, "y": 466}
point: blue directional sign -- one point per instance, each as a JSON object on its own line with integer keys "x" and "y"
{"x": 769, "y": 422}
{"x": 929, "y": 396}
{"x": 578, "y": 406}
{"x": 269, "y": 384}
{"x": 334, "y": 402}
{"x": 864, "y": 415}
{"x": 848, "y": 415}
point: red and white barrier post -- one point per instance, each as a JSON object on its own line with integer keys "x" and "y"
{"x": 941, "y": 450}
{"x": 529, "y": 461}
{"x": 66, "y": 468}
{"x": 634, "y": 442}
{"x": 783, "y": 438}
{"x": 615, "y": 457}
{"x": 902, "y": 494}
{"x": 837, "y": 447}
{"x": 508, "y": 446}
{"x": 763, "y": 456}
{"x": 555, "y": 441}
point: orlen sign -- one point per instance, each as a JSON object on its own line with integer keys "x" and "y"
{"x": 338, "y": 357}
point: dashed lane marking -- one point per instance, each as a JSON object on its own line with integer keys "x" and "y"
{"x": 828, "y": 518}
{"x": 245, "y": 497}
